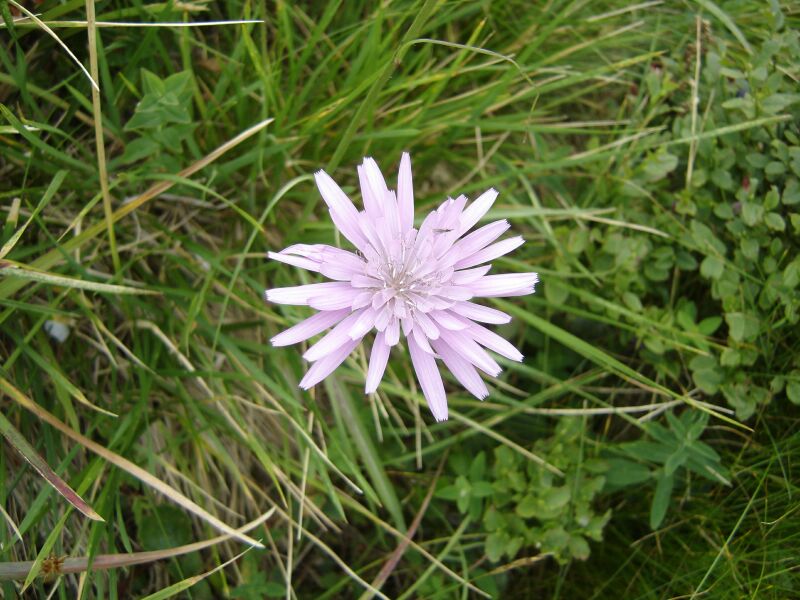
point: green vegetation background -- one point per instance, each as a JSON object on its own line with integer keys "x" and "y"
{"x": 646, "y": 448}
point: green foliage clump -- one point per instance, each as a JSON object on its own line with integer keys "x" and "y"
{"x": 162, "y": 120}
{"x": 525, "y": 504}
{"x": 532, "y": 506}
{"x": 745, "y": 190}
{"x": 672, "y": 453}
{"x": 713, "y": 293}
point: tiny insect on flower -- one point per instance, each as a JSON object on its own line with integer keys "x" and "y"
{"x": 403, "y": 281}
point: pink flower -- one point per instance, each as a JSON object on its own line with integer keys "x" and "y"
{"x": 401, "y": 280}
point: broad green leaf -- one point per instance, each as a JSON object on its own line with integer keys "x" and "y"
{"x": 478, "y": 467}
{"x": 708, "y": 380}
{"x": 143, "y": 147}
{"x": 793, "y": 391}
{"x": 750, "y": 248}
{"x": 697, "y": 426}
{"x": 482, "y": 489}
{"x": 757, "y": 160}
{"x": 712, "y": 267}
{"x": 632, "y": 301}
{"x": 775, "y": 168}
{"x": 775, "y": 222}
{"x": 791, "y": 274}
{"x": 622, "y": 473}
{"x": 179, "y": 84}
{"x": 495, "y": 518}
{"x": 448, "y": 492}
{"x": 464, "y": 494}
{"x": 709, "y": 325}
{"x": 496, "y": 545}
{"x": 791, "y": 193}
{"x": 676, "y": 460}
{"x": 775, "y": 103}
{"x": 152, "y": 83}
{"x": 648, "y": 451}
{"x": 741, "y": 326}
{"x": 676, "y": 424}
{"x": 528, "y": 507}
{"x": 513, "y": 545}
{"x": 579, "y": 547}
{"x": 752, "y": 213}
{"x": 661, "y": 498}
{"x": 722, "y": 179}
{"x": 557, "y": 497}
{"x": 555, "y": 539}
{"x": 659, "y": 165}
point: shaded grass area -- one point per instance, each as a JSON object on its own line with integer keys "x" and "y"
{"x": 725, "y": 543}
{"x": 578, "y": 112}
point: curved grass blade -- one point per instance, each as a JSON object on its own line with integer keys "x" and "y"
{"x": 50, "y": 367}
{"x": 606, "y": 361}
{"x": 391, "y": 564}
{"x": 45, "y": 551}
{"x": 51, "y": 190}
{"x": 29, "y": 453}
{"x": 21, "y": 569}
{"x": 56, "y": 255}
{"x": 53, "y": 35}
{"x": 124, "y": 464}
{"x": 185, "y": 584}
{"x": 10, "y": 269}
{"x": 367, "y": 452}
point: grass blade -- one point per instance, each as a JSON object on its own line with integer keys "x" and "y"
{"x": 185, "y": 584}
{"x": 52, "y": 34}
{"x": 603, "y": 359}
{"x": 55, "y": 256}
{"x": 29, "y": 453}
{"x": 21, "y": 569}
{"x": 54, "y": 186}
{"x": 124, "y": 464}
{"x": 22, "y": 272}
{"x": 367, "y": 451}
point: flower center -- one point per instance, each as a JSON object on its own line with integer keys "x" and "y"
{"x": 409, "y": 276}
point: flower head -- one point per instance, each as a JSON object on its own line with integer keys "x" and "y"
{"x": 404, "y": 282}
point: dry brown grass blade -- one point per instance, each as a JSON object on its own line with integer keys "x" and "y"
{"x": 417, "y": 547}
{"x": 20, "y": 569}
{"x": 30, "y": 454}
{"x": 124, "y": 464}
{"x": 8, "y": 287}
{"x": 100, "y": 145}
{"x": 391, "y": 564}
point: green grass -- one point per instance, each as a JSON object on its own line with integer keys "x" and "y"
{"x": 140, "y": 217}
